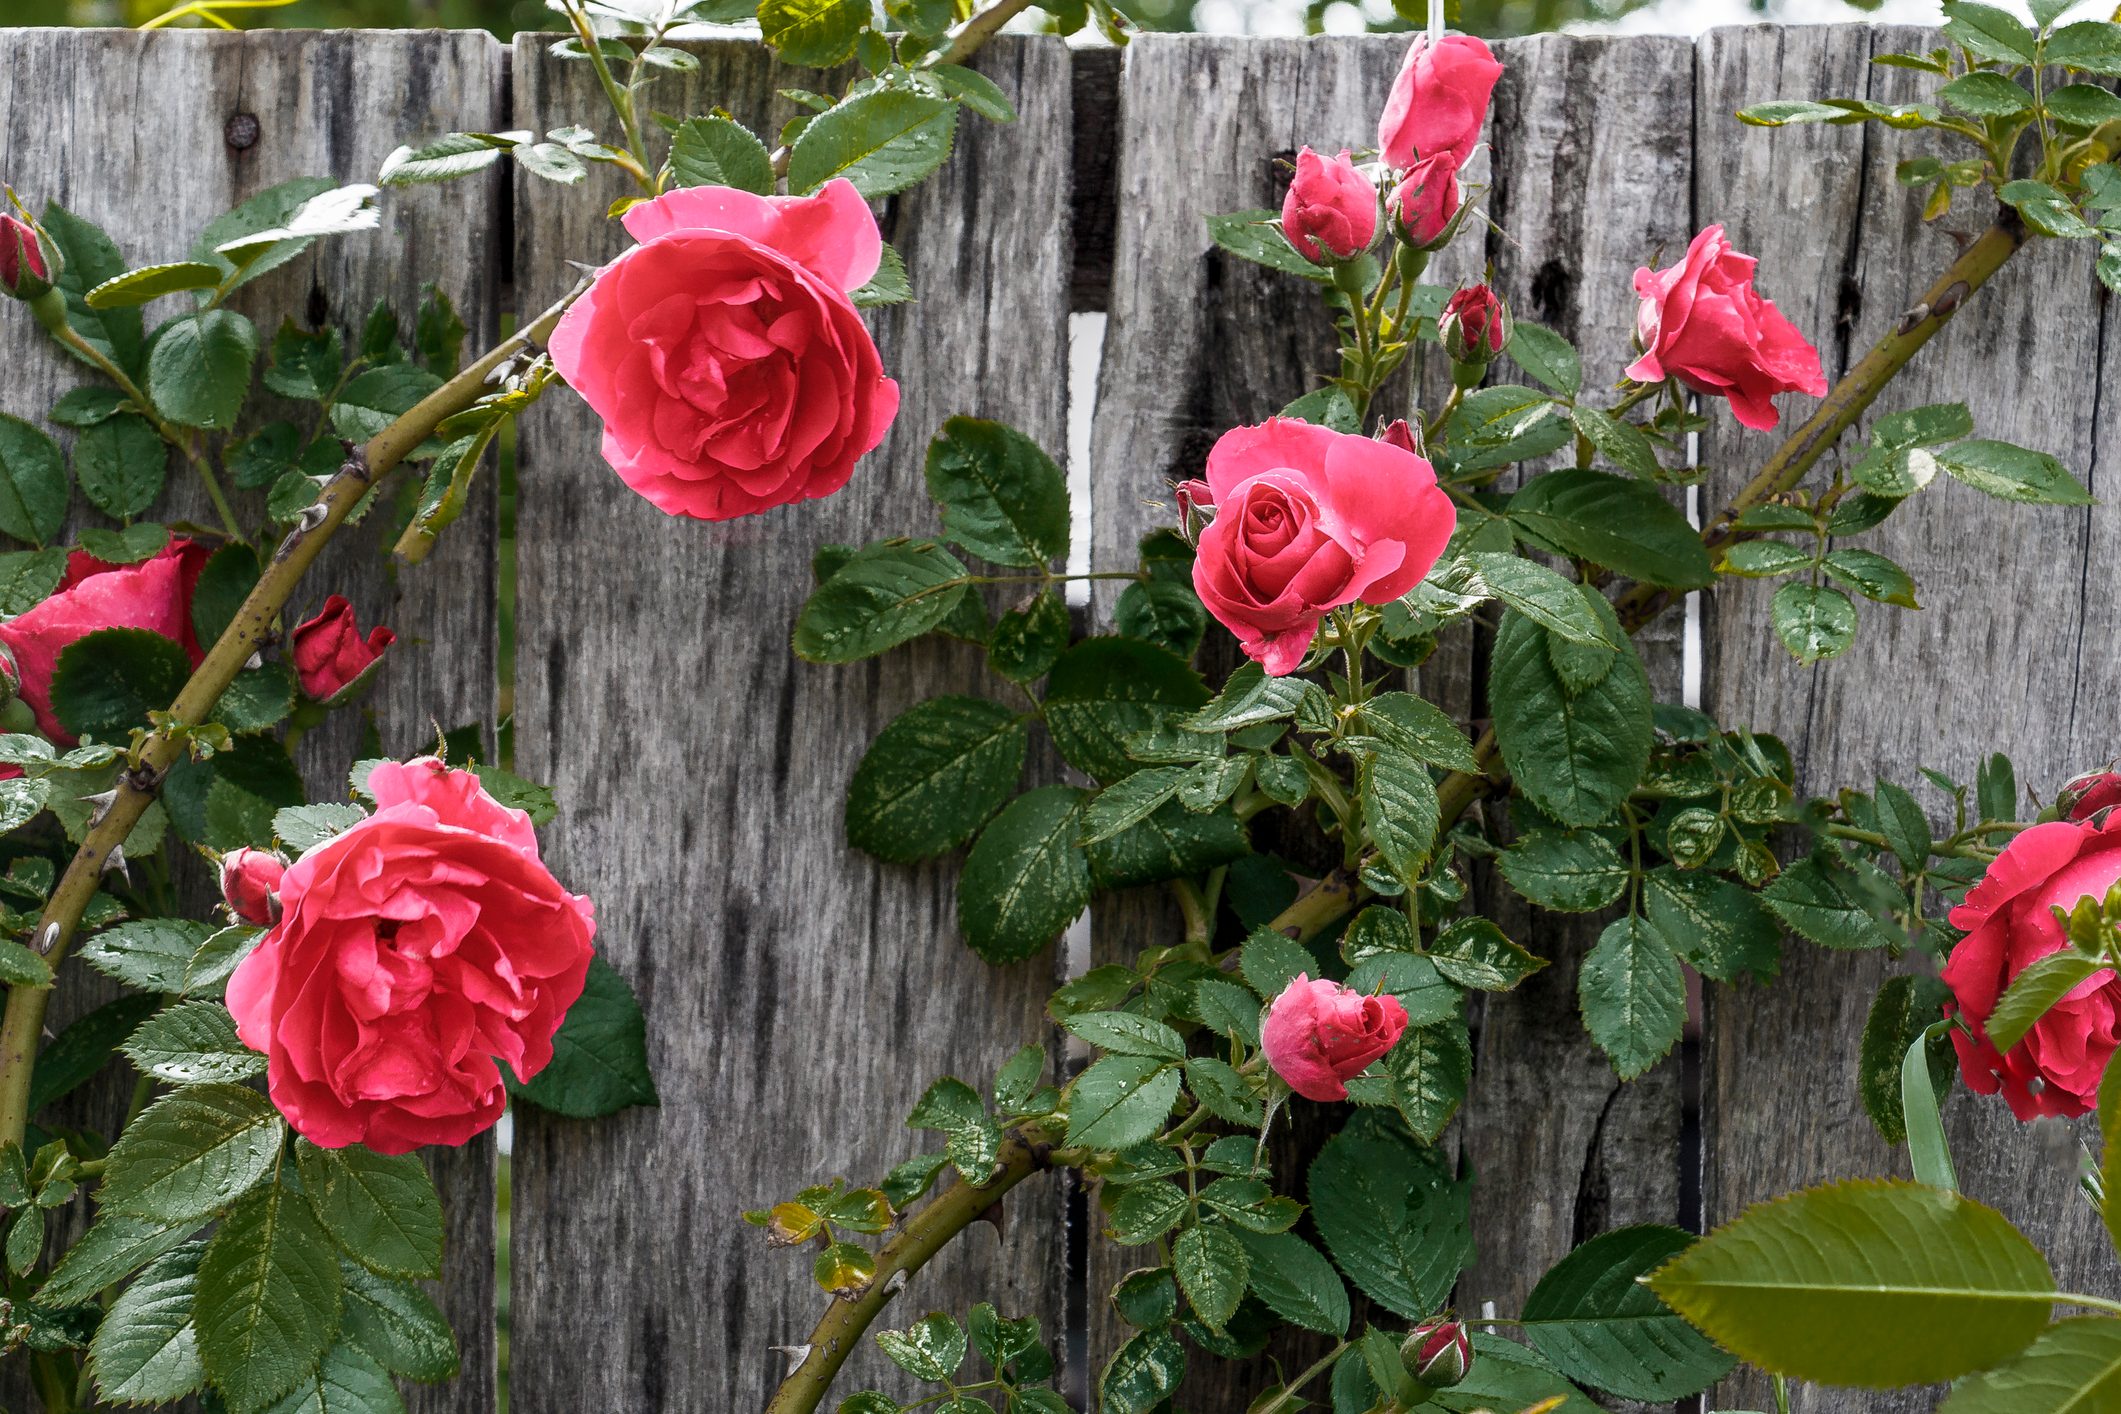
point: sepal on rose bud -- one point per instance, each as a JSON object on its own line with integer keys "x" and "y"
{"x": 1475, "y": 326}
{"x": 250, "y": 884}
{"x": 1438, "y": 1353}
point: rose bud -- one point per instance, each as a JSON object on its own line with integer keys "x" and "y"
{"x": 1425, "y": 201}
{"x": 1319, "y": 1035}
{"x": 1399, "y": 433}
{"x": 2089, "y": 794}
{"x": 1475, "y": 325}
{"x": 250, "y": 884}
{"x": 331, "y": 657}
{"x": 1703, "y": 323}
{"x": 26, "y": 266}
{"x": 1196, "y": 508}
{"x": 1438, "y": 1353}
{"x": 2009, "y": 922}
{"x": 1330, "y": 212}
{"x": 1438, "y": 101}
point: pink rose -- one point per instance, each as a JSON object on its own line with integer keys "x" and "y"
{"x": 1439, "y": 100}
{"x": 154, "y": 594}
{"x": 2055, "y": 1068}
{"x": 1475, "y": 325}
{"x": 413, "y": 951}
{"x": 1438, "y": 1353}
{"x": 330, "y": 655}
{"x": 1330, "y": 212}
{"x": 732, "y": 372}
{"x": 24, "y": 271}
{"x": 2089, "y": 794}
{"x": 1320, "y": 1035}
{"x": 1308, "y": 519}
{"x": 1703, "y": 323}
{"x": 250, "y": 883}
{"x": 1426, "y": 199}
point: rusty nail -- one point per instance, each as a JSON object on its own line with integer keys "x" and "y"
{"x": 241, "y": 131}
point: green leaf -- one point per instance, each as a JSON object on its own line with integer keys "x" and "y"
{"x": 1622, "y": 443}
{"x": 378, "y": 397}
{"x": 381, "y": 1209}
{"x": 1824, "y": 904}
{"x": 1256, "y": 236}
{"x": 1001, "y": 496}
{"x": 281, "y": 222}
{"x": 1473, "y": 952}
{"x": 1420, "y": 729}
{"x": 1813, "y": 622}
{"x": 599, "y": 1055}
{"x": 2047, "y": 209}
{"x": 449, "y": 156}
{"x": 1573, "y": 872}
{"x": 75, "y": 1056}
{"x": 2083, "y": 105}
{"x": 1633, "y": 995}
{"x": 933, "y": 776}
{"x": 1211, "y": 1267}
{"x": 1872, "y": 575}
{"x": 1989, "y": 32}
{"x": 2089, "y": 46}
{"x": 1295, "y": 1281}
{"x": 268, "y": 1303}
{"x": 121, "y": 463}
{"x": 1124, "y": 1033}
{"x": 191, "y": 1044}
{"x": 883, "y": 141}
{"x": 347, "y": 1381}
{"x": 1105, "y": 690}
{"x": 2041, "y": 984}
{"x": 108, "y": 681}
{"x": 1615, "y": 521}
{"x": 714, "y": 151}
{"x": 1864, "y": 1283}
{"x": 1760, "y": 559}
{"x": 815, "y": 33}
{"x": 1426, "y": 1075}
{"x": 2110, "y": 1151}
{"x": 1025, "y": 643}
{"x": 34, "y": 489}
{"x": 191, "y": 1153}
{"x": 1717, "y": 927}
{"x": 1392, "y": 1213}
{"x": 2013, "y": 474}
{"x": 1120, "y": 1101}
{"x": 396, "y": 1325}
{"x": 2073, "y": 1368}
{"x": 1400, "y": 812}
{"x": 1248, "y": 698}
{"x": 976, "y": 91}
{"x": 1164, "y": 613}
{"x": 198, "y": 372}
{"x": 152, "y": 282}
{"x": 146, "y": 1350}
{"x": 230, "y": 800}
{"x": 1555, "y": 604}
{"x": 882, "y": 596}
{"x": 27, "y": 577}
{"x": 91, "y": 259}
{"x": 1576, "y": 756}
{"x": 551, "y": 161}
{"x": 1986, "y": 94}
{"x": 1929, "y": 1154}
{"x": 1142, "y": 1374}
{"x": 1547, "y": 356}
{"x": 1026, "y": 877}
{"x": 889, "y": 285}
{"x": 1784, "y": 112}
{"x": 171, "y": 955}
{"x": 113, "y": 1247}
{"x": 20, "y": 967}
{"x": 1600, "y": 1326}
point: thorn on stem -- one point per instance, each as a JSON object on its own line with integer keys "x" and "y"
{"x": 796, "y": 1354}
{"x": 996, "y": 1217}
{"x": 49, "y": 939}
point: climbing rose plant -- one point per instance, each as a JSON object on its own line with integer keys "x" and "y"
{"x": 391, "y": 962}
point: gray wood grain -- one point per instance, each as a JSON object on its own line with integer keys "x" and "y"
{"x": 2009, "y": 652}
{"x": 1591, "y": 164}
{"x": 799, "y": 995}
{"x": 152, "y": 174}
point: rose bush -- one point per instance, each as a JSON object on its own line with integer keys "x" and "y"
{"x": 730, "y": 369}
{"x": 1307, "y": 520}
{"x": 412, "y": 952}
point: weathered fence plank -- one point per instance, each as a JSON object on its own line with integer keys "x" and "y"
{"x": 152, "y": 174}
{"x": 799, "y": 995}
{"x": 1591, "y": 163}
{"x": 2010, "y": 652}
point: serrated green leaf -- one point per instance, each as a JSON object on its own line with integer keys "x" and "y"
{"x": 1600, "y": 1326}
{"x": 381, "y": 1209}
{"x": 599, "y": 1060}
{"x": 146, "y": 1350}
{"x": 933, "y": 776}
{"x": 883, "y": 141}
{"x": 1633, "y": 995}
{"x": 191, "y": 1153}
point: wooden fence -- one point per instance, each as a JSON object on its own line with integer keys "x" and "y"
{"x": 800, "y": 995}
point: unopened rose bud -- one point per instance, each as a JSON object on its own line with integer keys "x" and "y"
{"x": 1196, "y": 507}
{"x": 250, "y": 884}
{"x": 1474, "y": 326}
{"x": 332, "y": 658}
{"x": 1330, "y": 213}
{"x": 1425, "y": 200}
{"x": 2089, "y": 794}
{"x": 1399, "y": 433}
{"x": 1438, "y": 1353}
{"x": 27, "y": 266}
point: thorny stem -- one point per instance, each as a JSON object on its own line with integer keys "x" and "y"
{"x": 621, "y": 99}
{"x": 161, "y": 749}
{"x": 1287, "y": 1399}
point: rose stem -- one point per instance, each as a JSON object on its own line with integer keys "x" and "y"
{"x": 24, "y": 1021}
